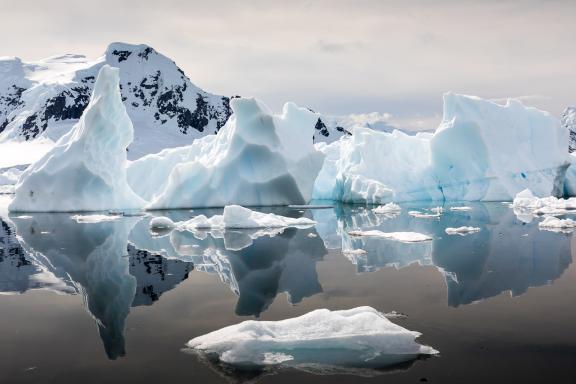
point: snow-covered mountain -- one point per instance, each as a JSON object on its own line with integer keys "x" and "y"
{"x": 569, "y": 121}
{"x": 43, "y": 99}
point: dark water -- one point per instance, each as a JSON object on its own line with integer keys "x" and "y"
{"x": 107, "y": 302}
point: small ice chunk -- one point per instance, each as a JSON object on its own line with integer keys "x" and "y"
{"x": 161, "y": 222}
{"x": 555, "y": 224}
{"x": 356, "y": 338}
{"x": 405, "y": 237}
{"x": 387, "y": 208}
{"x": 423, "y": 215}
{"x": 464, "y": 208}
{"x": 354, "y": 252}
{"x": 462, "y": 230}
{"x": 88, "y": 219}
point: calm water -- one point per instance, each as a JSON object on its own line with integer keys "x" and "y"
{"x": 108, "y": 302}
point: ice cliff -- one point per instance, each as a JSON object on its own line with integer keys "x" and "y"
{"x": 480, "y": 151}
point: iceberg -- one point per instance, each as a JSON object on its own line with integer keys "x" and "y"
{"x": 320, "y": 341}
{"x": 256, "y": 159}
{"x": 482, "y": 151}
{"x": 86, "y": 169}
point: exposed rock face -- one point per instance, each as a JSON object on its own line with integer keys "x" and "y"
{"x": 569, "y": 121}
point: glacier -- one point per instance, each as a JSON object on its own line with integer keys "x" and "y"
{"x": 86, "y": 169}
{"x": 482, "y": 151}
{"x": 256, "y": 159}
{"x": 321, "y": 341}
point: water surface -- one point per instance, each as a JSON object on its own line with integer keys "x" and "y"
{"x": 109, "y": 302}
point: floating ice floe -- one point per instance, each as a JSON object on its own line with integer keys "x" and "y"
{"x": 387, "y": 209}
{"x": 434, "y": 212}
{"x": 555, "y": 224}
{"x": 256, "y": 159}
{"x": 480, "y": 151}
{"x": 405, "y": 237}
{"x": 525, "y": 204}
{"x": 461, "y": 230}
{"x": 87, "y": 219}
{"x": 234, "y": 217}
{"x": 86, "y": 169}
{"x": 320, "y": 341}
{"x": 462, "y": 209}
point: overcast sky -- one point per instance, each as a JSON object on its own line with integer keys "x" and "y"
{"x": 336, "y": 57}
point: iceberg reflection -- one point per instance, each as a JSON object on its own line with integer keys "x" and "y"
{"x": 55, "y": 252}
{"x": 257, "y": 265}
{"x": 507, "y": 254}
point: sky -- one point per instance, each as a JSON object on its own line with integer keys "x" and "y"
{"x": 396, "y": 58}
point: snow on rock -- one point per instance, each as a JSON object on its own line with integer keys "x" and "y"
{"x": 322, "y": 339}
{"x": 555, "y": 224}
{"x": 569, "y": 122}
{"x": 234, "y": 217}
{"x": 86, "y": 169}
{"x": 461, "y": 230}
{"x": 44, "y": 99}
{"x": 405, "y": 237}
{"x": 257, "y": 159}
{"x": 480, "y": 151}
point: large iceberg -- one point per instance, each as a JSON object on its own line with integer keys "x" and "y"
{"x": 480, "y": 151}
{"x": 86, "y": 169}
{"x": 320, "y": 341}
{"x": 256, "y": 159}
